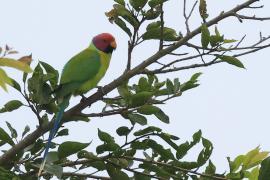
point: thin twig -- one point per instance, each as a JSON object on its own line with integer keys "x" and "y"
{"x": 161, "y": 28}
{"x": 71, "y": 174}
{"x": 187, "y": 17}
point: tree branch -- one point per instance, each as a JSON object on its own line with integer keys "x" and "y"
{"x": 71, "y": 174}
{"x": 175, "y": 167}
{"x": 31, "y": 138}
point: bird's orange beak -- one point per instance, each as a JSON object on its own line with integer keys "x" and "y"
{"x": 113, "y": 45}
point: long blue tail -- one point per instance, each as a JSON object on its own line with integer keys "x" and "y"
{"x": 53, "y": 131}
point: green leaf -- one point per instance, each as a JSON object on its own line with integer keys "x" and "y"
{"x": 229, "y": 41}
{"x": 137, "y": 118}
{"x": 130, "y": 152}
{"x": 265, "y": 169}
{"x": 236, "y": 163}
{"x": 151, "y": 14}
{"x": 11, "y": 106}
{"x": 205, "y": 37}
{"x": 4, "y": 79}
{"x": 210, "y": 169}
{"x": 25, "y": 77}
{"x": 170, "y": 86}
{"x": 115, "y": 173}
{"x": 78, "y": 118}
{"x": 257, "y": 159}
{"x": 7, "y": 174}
{"x": 70, "y": 147}
{"x": 37, "y": 146}
{"x": 160, "y": 171}
{"x": 205, "y": 153}
{"x": 122, "y": 2}
{"x": 63, "y": 132}
{"x": 137, "y": 4}
{"x": 188, "y": 85}
{"x": 254, "y": 174}
{"x": 26, "y": 130}
{"x": 253, "y": 158}
{"x": 140, "y": 98}
{"x": 123, "y": 131}
{"x": 216, "y": 40}
{"x": 50, "y": 70}
{"x": 216, "y": 31}
{"x": 168, "y": 139}
{"x": 232, "y": 60}
{"x": 196, "y": 137}
{"x": 164, "y": 153}
{"x": 144, "y": 85}
{"x": 40, "y": 91}
{"x": 139, "y": 145}
{"x": 124, "y": 13}
{"x": 148, "y": 109}
{"x": 4, "y": 137}
{"x": 124, "y": 91}
{"x": 182, "y": 150}
{"x": 153, "y": 25}
{"x": 15, "y": 85}
{"x": 107, "y": 147}
{"x": 192, "y": 83}
{"x": 105, "y": 137}
{"x": 123, "y": 26}
{"x": 88, "y": 155}
{"x": 54, "y": 169}
{"x": 158, "y": 85}
{"x": 12, "y": 130}
{"x": 195, "y": 77}
{"x": 52, "y": 157}
{"x": 169, "y": 34}
{"x": 162, "y": 116}
{"x": 147, "y": 130}
{"x": 99, "y": 165}
{"x": 154, "y": 3}
{"x": 138, "y": 176}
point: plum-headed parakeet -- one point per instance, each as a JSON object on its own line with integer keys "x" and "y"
{"x": 81, "y": 74}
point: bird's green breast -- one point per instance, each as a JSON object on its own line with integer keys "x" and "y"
{"x": 92, "y": 83}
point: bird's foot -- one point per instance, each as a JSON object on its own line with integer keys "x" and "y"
{"x": 83, "y": 98}
{"x": 100, "y": 89}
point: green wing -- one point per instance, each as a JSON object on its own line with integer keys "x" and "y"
{"x": 81, "y": 67}
{"x": 78, "y": 70}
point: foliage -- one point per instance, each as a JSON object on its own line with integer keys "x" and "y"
{"x": 140, "y": 152}
{"x": 20, "y": 64}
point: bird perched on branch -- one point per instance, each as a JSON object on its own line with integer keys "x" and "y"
{"x": 81, "y": 74}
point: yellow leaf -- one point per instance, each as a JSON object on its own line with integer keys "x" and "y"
{"x": 4, "y": 79}
{"x": 3, "y": 85}
{"x": 203, "y": 9}
{"x": 15, "y": 64}
{"x": 26, "y": 59}
{"x": 257, "y": 159}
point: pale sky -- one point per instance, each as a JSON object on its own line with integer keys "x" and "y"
{"x": 231, "y": 106}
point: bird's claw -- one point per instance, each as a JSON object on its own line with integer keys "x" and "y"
{"x": 100, "y": 89}
{"x": 83, "y": 98}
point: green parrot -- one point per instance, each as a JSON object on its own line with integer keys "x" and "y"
{"x": 81, "y": 74}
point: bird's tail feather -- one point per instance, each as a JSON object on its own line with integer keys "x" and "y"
{"x": 58, "y": 118}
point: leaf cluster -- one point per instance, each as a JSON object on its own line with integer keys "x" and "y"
{"x": 21, "y": 64}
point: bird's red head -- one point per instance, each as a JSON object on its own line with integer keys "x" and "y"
{"x": 105, "y": 42}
